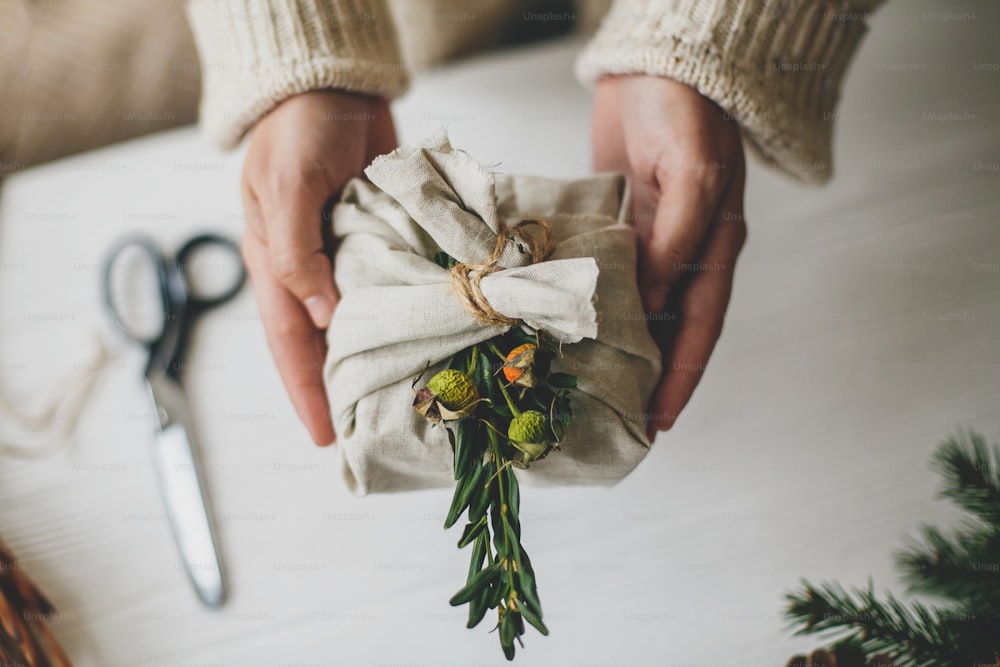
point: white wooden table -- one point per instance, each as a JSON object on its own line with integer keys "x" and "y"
{"x": 865, "y": 326}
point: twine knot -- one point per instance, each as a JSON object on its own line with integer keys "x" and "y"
{"x": 465, "y": 278}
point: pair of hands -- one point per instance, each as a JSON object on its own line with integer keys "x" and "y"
{"x": 685, "y": 162}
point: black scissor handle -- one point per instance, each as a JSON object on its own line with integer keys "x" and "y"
{"x": 199, "y": 242}
{"x": 154, "y": 256}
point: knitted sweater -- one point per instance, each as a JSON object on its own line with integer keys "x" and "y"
{"x": 774, "y": 65}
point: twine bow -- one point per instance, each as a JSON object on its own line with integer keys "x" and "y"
{"x": 465, "y": 278}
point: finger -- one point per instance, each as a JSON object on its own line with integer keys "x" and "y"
{"x": 688, "y": 198}
{"x": 293, "y": 216}
{"x": 701, "y": 309}
{"x": 297, "y": 346}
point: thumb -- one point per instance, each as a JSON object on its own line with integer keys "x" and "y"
{"x": 295, "y": 239}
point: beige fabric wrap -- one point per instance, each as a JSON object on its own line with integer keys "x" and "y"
{"x": 398, "y": 313}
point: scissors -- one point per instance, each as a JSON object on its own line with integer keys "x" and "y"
{"x": 175, "y": 452}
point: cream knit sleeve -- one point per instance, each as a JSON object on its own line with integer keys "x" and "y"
{"x": 256, "y": 53}
{"x": 774, "y": 65}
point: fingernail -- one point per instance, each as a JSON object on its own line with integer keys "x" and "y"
{"x": 320, "y": 309}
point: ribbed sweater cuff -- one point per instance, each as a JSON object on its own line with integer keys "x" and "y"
{"x": 257, "y": 53}
{"x": 775, "y": 66}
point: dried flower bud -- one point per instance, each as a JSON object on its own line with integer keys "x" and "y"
{"x": 529, "y": 426}
{"x": 454, "y": 389}
{"x": 450, "y": 394}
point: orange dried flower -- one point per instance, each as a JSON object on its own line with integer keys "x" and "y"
{"x": 519, "y": 366}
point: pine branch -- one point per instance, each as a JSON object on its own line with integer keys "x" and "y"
{"x": 971, "y": 473}
{"x": 963, "y": 566}
{"x": 912, "y": 636}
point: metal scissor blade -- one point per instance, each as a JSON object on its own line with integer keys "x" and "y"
{"x": 179, "y": 473}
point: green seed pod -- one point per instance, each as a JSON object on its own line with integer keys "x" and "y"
{"x": 454, "y": 389}
{"x": 529, "y": 426}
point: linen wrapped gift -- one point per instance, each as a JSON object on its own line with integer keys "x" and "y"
{"x": 400, "y": 316}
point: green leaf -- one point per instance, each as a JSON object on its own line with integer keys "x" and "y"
{"x": 529, "y": 615}
{"x": 518, "y": 337}
{"x": 480, "y": 500}
{"x": 559, "y": 416}
{"x": 471, "y": 356}
{"x": 444, "y": 260}
{"x": 562, "y": 381}
{"x": 508, "y": 651}
{"x": 512, "y": 489}
{"x": 479, "y": 583}
{"x": 528, "y": 589}
{"x": 496, "y": 594}
{"x": 471, "y": 532}
{"x": 478, "y": 608}
{"x": 451, "y": 441}
{"x": 514, "y": 535}
{"x": 464, "y": 447}
{"x": 463, "y": 490}
{"x": 478, "y": 556}
{"x": 527, "y": 563}
{"x": 484, "y": 380}
{"x": 537, "y": 400}
{"x": 507, "y": 631}
{"x": 558, "y": 430}
{"x": 495, "y": 520}
{"x": 529, "y": 601}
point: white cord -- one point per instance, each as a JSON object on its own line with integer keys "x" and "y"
{"x": 63, "y": 412}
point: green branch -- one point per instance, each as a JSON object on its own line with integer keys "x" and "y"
{"x": 962, "y": 567}
{"x": 487, "y": 489}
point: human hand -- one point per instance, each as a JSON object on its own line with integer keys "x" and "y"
{"x": 301, "y": 154}
{"x": 685, "y": 162}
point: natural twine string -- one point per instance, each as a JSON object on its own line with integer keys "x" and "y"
{"x": 62, "y": 414}
{"x": 465, "y": 278}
